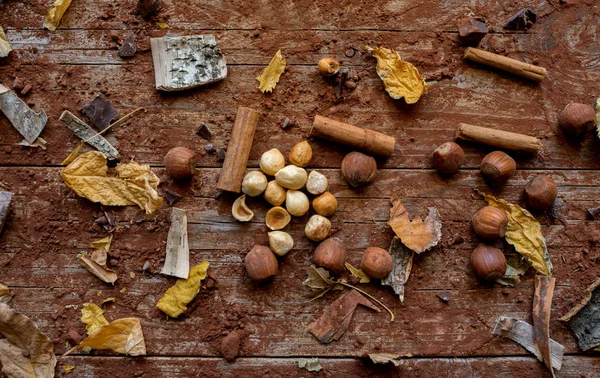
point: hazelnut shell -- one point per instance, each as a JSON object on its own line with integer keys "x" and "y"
{"x": 577, "y": 119}
{"x": 540, "y": 192}
{"x": 448, "y": 158}
{"x": 497, "y": 167}
{"x": 489, "y": 263}
{"x": 328, "y": 66}
{"x": 261, "y": 263}
{"x": 490, "y": 223}
{"x": 359, "y": 169}
{"x": 331, "y": 255}
{"x": 180, "y": 163}
{"x": 376, "y": 262}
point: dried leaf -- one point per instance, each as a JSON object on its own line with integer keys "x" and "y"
{"x": 39, "y": 142}
{"x": 417, "y": 235}
{"x": 5, "y": 47}
{"x": 162, "y": 25}
{"x": 69, "y": 159}
{"x": 122, "y": 336}
{"x": 103, "y": 243}
{"x": 174, "y": 302}
{"x": 55, "y": 14}
{"x": 402, "y": 260}
{"x": 358, "y": 273}
{"x": 525, "y": 234}
{"x": 135, "y": 185}
{"x": 93, "y": 317}
{"x": 99, "y": 270}
{"x": 516, "y": 266}
{"x": 107, "y": 300}
{"x": 318, "y": 278}
{"x": 385, "y": 358}
{"x": 270, "y": 76}
{"x": 4, "y": 290}
{"x": 401, "y": 79}
{"x": 310, "y": 364}
{"x": 68, "y": 368}
{"x": 24, "y": 351}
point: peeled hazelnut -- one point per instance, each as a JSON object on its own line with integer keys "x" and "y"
{"x": 255, "y": 182}
{"x": 497, "y": 167}
{"x": 296, "y": 203}
{"x": 376, "y": 262}
{"x": 317, "y": 183}
{"x": 241, "y": 211}
{"x": 180, "y": 163}
{"x": 291, "y": 177}
{"x": 331, "y": 255}
{"x": 359, "y": 169}
{"x": 274, "y": 194}
{"x": 577, "y": 119}
{"x": 272, "y": 161}
{"x": 261, "y": 263}
{"x": 448, "y": 158}
{"x": 325, "y": 204}
{"x": 280, "y": 242}
{"x": 489, "y": 263}
{"x": 301, "y": 154}
{"x": 277, "y": 218}
{"x": 317, "y": 228}
{"x": 540, "y": 192}
{"x": 328, "y": 66}
{"x": 490, "y": 223}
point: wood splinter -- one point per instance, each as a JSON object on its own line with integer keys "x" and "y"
{"x": 498, "y": 138}
{"x": 516, "y": 67}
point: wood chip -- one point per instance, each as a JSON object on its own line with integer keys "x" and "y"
{"x": 85, "y": 132}
{"x": 402, "y": 259}
{"x": 177, "y": 260}
{"x": 583, "y": 318}
{"x": 27, "y": 122}
{"x": 542, "y": 303}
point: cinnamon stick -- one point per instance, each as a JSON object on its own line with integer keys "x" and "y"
{"x": 498, "y": 138}
{"x": 363, "y": 139}
{"x": 238, "y": 150}
{"x": 526, "y": 70}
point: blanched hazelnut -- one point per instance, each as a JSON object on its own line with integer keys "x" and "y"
{"x": 577, "y": 119}
{"x": 277, "y": 218}
{"x": 376, "y": 262}
{"x": 490, "y": 223}
{"x": 291, "y": 177}
{"x": 317, "y": 183}
{"x": 241, "y": 211}
{"x": 261, "y": 264}
{"x": 255, "y": 182}
{"x": 296, "y": 203}
{"x": 301, "y": 154}
{"x": 272, "y": 161}
{"x": 317, "y": 228}
{"x": 275, "y": 194}
{"x": 497, "y": 167}
{"x": 489, "y": 263}
{"x": 331, "y": 255}
{"x": 280, "y": 242}
{"x": 180, "y": 163}
{"x": 325, "y": 204}
{"x": 448, "y": 158}
{"x": 540, "y": 192}
{"x": 359, "y": 169}
{"x": 328, "y": 66}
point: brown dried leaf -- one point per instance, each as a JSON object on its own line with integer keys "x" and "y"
{"x": 55, "y": 14}
{"x": 318, "y": 278}
{"x": 5, "y": 47}
{"x": 385, "y": 358}
{"x": 417, "y": 235}
{"x": 24, "y": 352}
{"x": 358, "y": 273}
{"x": 123, "y": 336}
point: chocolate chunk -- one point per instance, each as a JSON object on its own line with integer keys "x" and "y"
{"x": 351, "y": 84}
{"x": 204, "y": 132}
{"x": 99, "y": 111}
{"x": 210, "y": 148}
{"x": 444, "y": 296}
{"x": 230, "y": 346}
{"x": 148, "y": 7}
{"x": 221, "y": 155}
{"x": 471, "y": 31}
{"x": 595, "y": 212}
{"x": 171, "y": 197}
{"x": 522, "y": 20}
{"x": 26, "y": 89}
{"x": 73, "y": 337}
{"x": 287, "y": 123}
{"x": 128, "y": 49}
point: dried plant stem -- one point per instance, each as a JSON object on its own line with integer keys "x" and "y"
{"x": 369, "y": 296}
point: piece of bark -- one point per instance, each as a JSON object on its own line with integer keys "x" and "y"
{"x": 27, "y": 122}
{"x": 177, "y": 259}
{"x": 187, "y": 62}
{"x": 5, "y": 199}
{"x": 402, "y": 259}
{"x": 498, "y": 138}
{"x": 584, "y": 317}
{"x": 542, "y": 303}
{"x": 147, "y": 8}
{"x": 128, "y": 48}
{"x": 336, "y": 319}
{"x": 522, "y": 333}
{"x": 204, "y": 132}
{"x": 85, "y": 132}
{"x": 99, "y": 111}
{"x": 522, "y": 20}
{"x": 471, "y": 31}
{"x": 516, "y": 67}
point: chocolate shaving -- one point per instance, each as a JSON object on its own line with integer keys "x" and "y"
{"x": 99, "y": 111}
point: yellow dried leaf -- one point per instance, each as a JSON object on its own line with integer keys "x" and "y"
{"x": 123, "y": 336}
{"x": 3, "y": 289}
{"x": 417, "y": 235}
{"x": 93, "y": 317}
{"x": 162, "y": 25}
{"x": 270, "y": 76}
{"x": 55, "y": 14}
{"x": 110, "y": 299}
{"x": 73, "y": 154}
{"x": 525, "y": 234}
{"x": 135, "y": 185}
{"x": 68, "y": 368}
{"x": 5, "y": 47}
{"x": 103, "y": 243}
{"x": 401, "y": 79}
{"x": 358, "y": 273}
{"x": 174, "y": 302}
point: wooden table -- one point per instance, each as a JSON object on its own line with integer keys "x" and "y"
{"x": 49, "y": 225}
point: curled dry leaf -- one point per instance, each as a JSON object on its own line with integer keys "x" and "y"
{"x": 73, "y": 155}
{"x": 55, "y": 14}
{"x": 516, "y": 266}
{"x": 417, "y": 235}
{"x": 96, "y": 263}
{"x": 524, "y": 232}
{"x": 385, "y": 358}
{"x": 135, "y": 184}
{"x": 123, "y": 336}
{"x": 402, "y": 260}
{"x": 310, "y": 364}
{"x": 93, "y": 317}
{"x": 174, "y": 302}
{"x": 24, "y": 351}
{"x": 270, "y": 76}
{"x": 5, "y": 47}
{"x": 5, "y": 296}
{"x": 401, "y": 79}
{"x": 358, "y": 273}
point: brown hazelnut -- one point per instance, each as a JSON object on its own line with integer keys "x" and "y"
{"x": 359, "y": 169}
{"x": 577, "y": 119}
{"x": 328, "y": 66}
{"x": 497, "y": 167}
{"x": 448, "y": 158}
{"x": 376, "y": 262}
{"x": 261, "y": 263}
{"x": 489, "y": 263}
{"x": 180, "y": 163}
{"x": 540, "y": 192}
{"x": 331, "y": 255}
{"x": 490, "y": 223}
